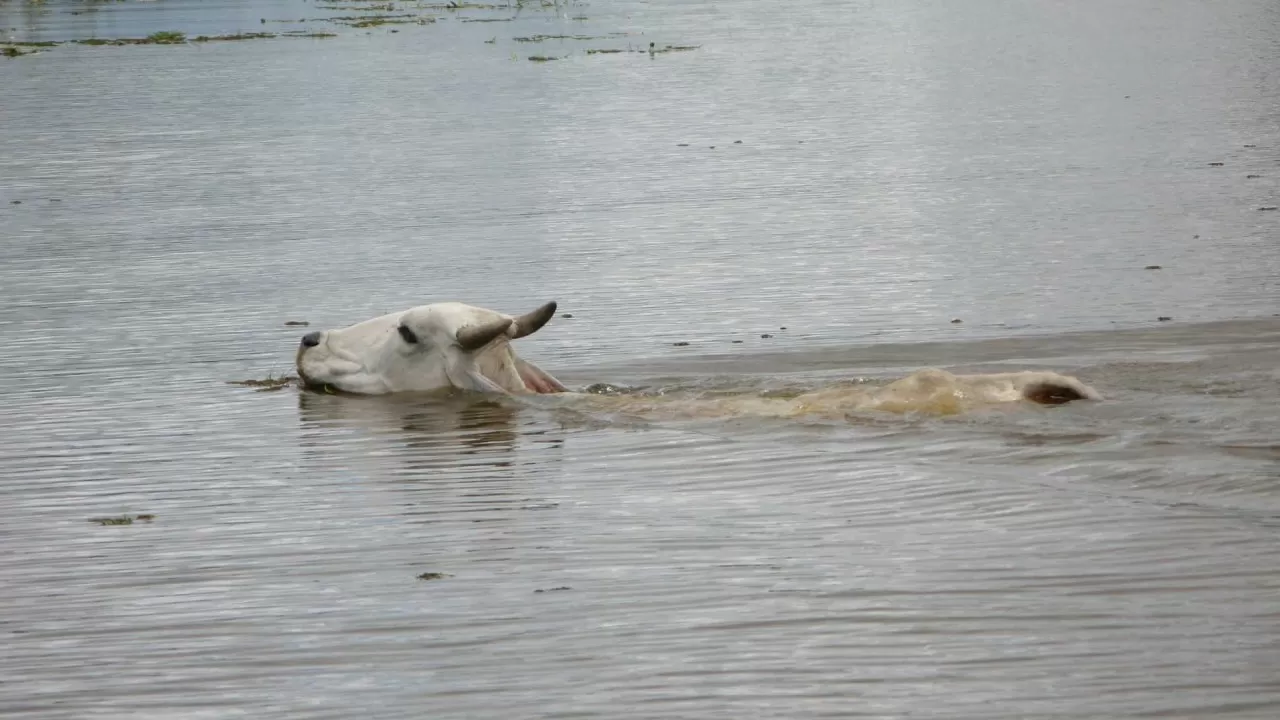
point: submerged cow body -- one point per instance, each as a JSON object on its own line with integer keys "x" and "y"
{"x": 432, "y": 347}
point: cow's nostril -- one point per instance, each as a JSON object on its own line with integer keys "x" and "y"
{"x": 311, "y": 339}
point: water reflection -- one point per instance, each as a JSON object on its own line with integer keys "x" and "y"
{"x": 431, "y": 432}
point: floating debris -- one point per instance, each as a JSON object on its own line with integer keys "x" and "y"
{"x": 1266, "y": 208}
{"x": 1252, "y": 177}
{"x": 465, "y": 6}
{"x": 268, "y": 384}
{"x": 541, "y": 38}
{"x": 736, "y": 342}
{"x": 122, "y": 519}
{"x": 554, "y": 589}
{"x": 766, "y": 336}
{"x": 682, "y": 343}
{"x": 486, "y": 20}
{"x": 956, "y": 321}
{"x": 566, "y": 315}
{"x": 1164, "y": 318}
{"x": 544, "y": 58}
{"x": 239, "y": 36}
{"x": 1216, "y": 164}
{"x": 433, "y": 576}
{"x": 1153, "y": 267}
{"x": 302, "y": 323}
{"x": 165, "y": 37}
{"x": 368, "y": 21}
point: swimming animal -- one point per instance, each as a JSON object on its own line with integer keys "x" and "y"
{"x": 429, "y": 347}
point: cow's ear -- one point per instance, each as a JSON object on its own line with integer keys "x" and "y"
{"x": 409, "y": 336}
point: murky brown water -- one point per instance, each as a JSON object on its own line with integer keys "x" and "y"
{"x": 1012, "y": 165}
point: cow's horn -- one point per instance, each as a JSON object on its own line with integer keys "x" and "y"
{"x": 531, "y": 322}
{"x": 474, "y": 337}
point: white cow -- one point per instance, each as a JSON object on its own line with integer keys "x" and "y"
{"x": 429, "y": 347}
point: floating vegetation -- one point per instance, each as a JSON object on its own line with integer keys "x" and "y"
{"x": 541, "y": 38}
{"x": 652, "y": 49}
{"x": 238, "y": 36}
{"x": 16, "y": 52}
{"x": 31, "y": 43}
{"x": 166, "y": 37}
{"x": 388, "y": 7}
{"x": 487, "y": 19}
{"x": 301, "y": 34}
{"x": 268, "y": 384}
{"x": 378, "y": 20}
{"x": 468, "y": 6}
{"x": 544, "y": 58}
{"x": 123, "y": 519}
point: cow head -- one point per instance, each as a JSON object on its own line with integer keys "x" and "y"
{"x": 429, "y": 347}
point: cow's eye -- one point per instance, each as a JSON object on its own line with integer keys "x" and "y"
{"x": 408, "y": 335}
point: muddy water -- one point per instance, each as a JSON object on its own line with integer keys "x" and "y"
{"x": 1012, "y": 165}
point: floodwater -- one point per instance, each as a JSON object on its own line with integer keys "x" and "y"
{"x": 164, "y": 210}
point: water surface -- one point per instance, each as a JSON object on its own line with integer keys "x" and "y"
{"x": 1014, "y": 165}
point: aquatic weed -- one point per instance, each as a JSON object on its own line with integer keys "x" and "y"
{"x": 166, "y": 37}
{"x": 267, "y": 384}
